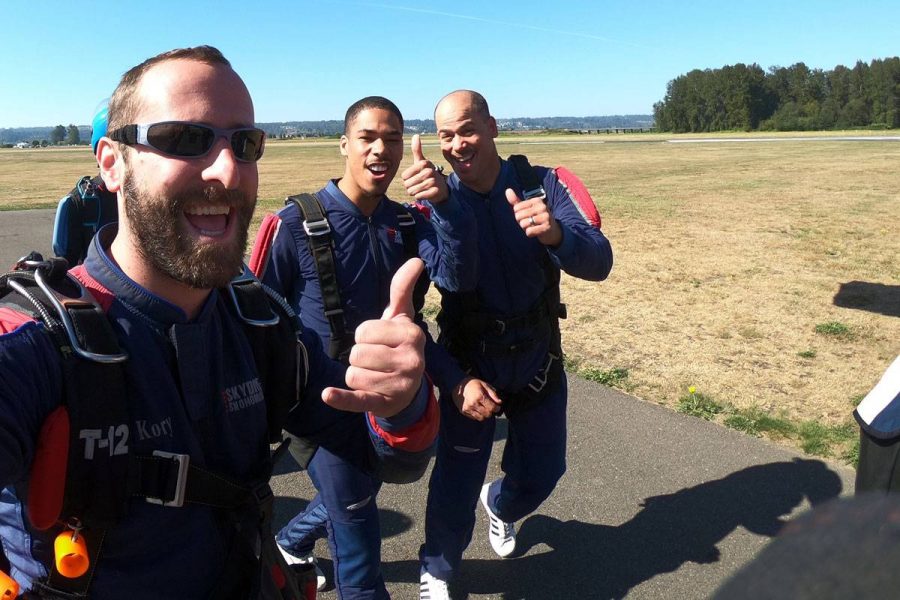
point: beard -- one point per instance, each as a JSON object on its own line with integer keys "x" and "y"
{"x": 164, "y": 242}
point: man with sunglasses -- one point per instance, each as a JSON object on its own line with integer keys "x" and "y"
{"x": 366, "y": 239}
{"x": 181, "y": 156}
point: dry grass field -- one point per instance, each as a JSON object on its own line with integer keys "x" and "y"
{"x": 757, "y": 284}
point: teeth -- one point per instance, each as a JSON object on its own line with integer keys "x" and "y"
{"x": 378, "y": 168}
{"x": 208, "y": 210}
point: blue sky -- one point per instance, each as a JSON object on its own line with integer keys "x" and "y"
{"x": 310, "y": 59}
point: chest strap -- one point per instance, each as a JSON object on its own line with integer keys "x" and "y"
{"x": 321, "y": 247}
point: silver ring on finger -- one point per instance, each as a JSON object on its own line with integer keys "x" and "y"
{"x": 531, "y": 218}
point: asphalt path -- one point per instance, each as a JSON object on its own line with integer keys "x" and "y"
{"x": 655, "y": 505}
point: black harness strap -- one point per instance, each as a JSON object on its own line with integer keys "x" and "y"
{"x": 93, "y": 370}
{"x": 321, "y": 248}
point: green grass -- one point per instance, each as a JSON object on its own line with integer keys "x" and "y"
{"x": 609, "y": 377}
{"x": 833, "y": 328}
{"x": 756, "y": 421}
{"x": 698, "y": 405}
{"x": 821, "y": 440}
{"x": 813, "y": 437}
{"x": 807, "y": 354}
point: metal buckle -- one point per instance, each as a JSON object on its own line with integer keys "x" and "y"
{"x": 500, "y": 326}
{"x": 62, "y": 304}
{"x": 535, "y": 193}
{"x": 405, "y": 220}
{"x": 246, "y": 277}
{"x": 316, "y": 228}
{"x": 183, "y": 461}
{"x": 540, "y": 379}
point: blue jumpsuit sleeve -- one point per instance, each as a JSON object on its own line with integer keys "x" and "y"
{"x": 30, "y": 387}
{"x": 448, "y": 244}
{"x": 584, "y": 251}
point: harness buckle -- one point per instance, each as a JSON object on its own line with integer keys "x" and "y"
{"x": 405, "y": 219}
{"x": 537, "y": 192}
{"x": 500, "y": 325}
{"x": 62, "y": 303}
{"x": 183, "y": 461}
{"x": 540, "y": 379}
{"x": 246, "y": 278}
{"x": 316, "y": 228}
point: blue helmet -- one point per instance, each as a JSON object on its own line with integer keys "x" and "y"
{"x": 100, "y": 123}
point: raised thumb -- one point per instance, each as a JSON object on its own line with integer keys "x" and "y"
{"x": 402, "y": 286}
{"x": 416, "y": 145}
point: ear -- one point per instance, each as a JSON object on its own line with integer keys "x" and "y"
{"x": 344, "y": 142}
{"x": 112, "y": 164}
{"x": 492, "y": 123}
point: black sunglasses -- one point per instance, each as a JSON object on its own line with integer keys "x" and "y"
{"x": 190, "y": 140}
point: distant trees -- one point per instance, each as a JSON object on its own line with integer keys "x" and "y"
{"x": 73, "y": 137}
{"x": 784, "y": 98}
{"x": 58, "y": 134}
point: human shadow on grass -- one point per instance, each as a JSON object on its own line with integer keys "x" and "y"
{"x": 872, "y": 297}
{"x": 585, "y": 560}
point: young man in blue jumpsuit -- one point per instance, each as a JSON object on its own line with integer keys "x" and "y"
{"x": 522, "y": 245}
{"x": 368, "y": 250}
{"x": 186, "y": 193}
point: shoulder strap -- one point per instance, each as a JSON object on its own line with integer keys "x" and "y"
{"x": 273, "y": 330}
{"x": 532, "y": 187}
{"x": 407, "y": 225}
{"x": 95, "y": 462}
{"x": 321, "y": 247}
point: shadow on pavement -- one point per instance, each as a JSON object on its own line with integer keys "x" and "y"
{"x": 600, "y": 561}
{"x": 871, "y": 297}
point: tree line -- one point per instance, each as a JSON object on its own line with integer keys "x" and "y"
{"x": 795, "y": 98}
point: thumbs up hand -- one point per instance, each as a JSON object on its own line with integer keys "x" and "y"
{"x": 388, "y": 360}
{"x": 535, "y": 219}
{"x": 424, "y": 181}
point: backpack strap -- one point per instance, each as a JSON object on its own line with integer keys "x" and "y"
{"x": 532, "y": 187}
{"x": 95, "y": 436}
{"x": 273, "y": 331}
{"x": 406, "y": 223}
{"x": 321, "y": 247}
{"x": 407, "y": 226}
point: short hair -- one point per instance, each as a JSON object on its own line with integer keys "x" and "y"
{"x": 367, "y": 103}
{"x": 124, "y": 103}
{"x": 476, "y": 101}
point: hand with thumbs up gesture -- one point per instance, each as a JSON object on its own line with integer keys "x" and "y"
{"x": 424, "y": 181}
{"x": 535, "y": 219}
{"x": 388, "y": 360}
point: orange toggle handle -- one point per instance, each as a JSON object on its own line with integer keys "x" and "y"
{"x": 9, "y": 589}
{"x": 71, "y": 554}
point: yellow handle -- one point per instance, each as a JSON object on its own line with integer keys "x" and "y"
{"x": 71, "y": 554}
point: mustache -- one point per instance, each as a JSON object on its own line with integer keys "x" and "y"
{"x": 209, "y": 194}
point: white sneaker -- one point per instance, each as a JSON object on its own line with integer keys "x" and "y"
{"x": 307, "y": 559}
{"x": 432, "y": 588}
{"x": 501, "y": 534}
